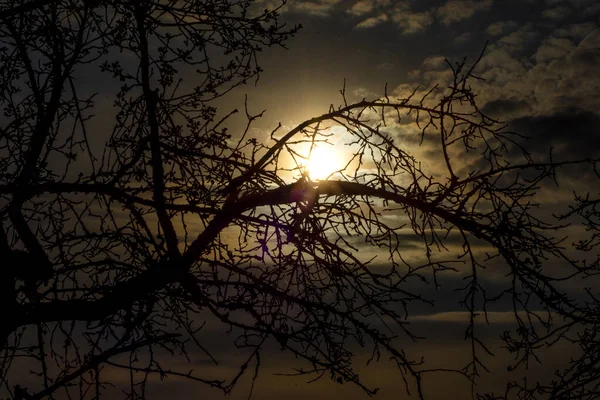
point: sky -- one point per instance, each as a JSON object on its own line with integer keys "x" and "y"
{"x": 540, "y": 62}
{"x": 540, "y": 77}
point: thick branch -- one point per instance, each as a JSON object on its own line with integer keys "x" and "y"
{"x": 151, "y": 99}
{"x": 157, "y": 277}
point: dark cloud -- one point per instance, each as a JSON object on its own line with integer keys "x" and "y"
{"x": 506, "y": 108}
{"x": 501, "y": 27}
{"x": 556, "y": 13}
{"x": 576, "y": 31}
{"x": 523, "y": 39}
{"x": 458, "y": 10}
{"x": 571, "y": 133}
{"x": 589, "y": 57}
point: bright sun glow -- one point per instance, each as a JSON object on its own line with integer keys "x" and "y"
{"x": 323, "y": 161}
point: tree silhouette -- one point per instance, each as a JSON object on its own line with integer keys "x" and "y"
{"x": 124, "y": 231}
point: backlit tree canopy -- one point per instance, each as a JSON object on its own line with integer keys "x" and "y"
{"x": 134, "y": 211}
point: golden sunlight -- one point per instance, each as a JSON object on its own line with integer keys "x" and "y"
{"x": 323, "y": 161}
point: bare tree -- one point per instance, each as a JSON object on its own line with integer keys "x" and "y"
{"x": 124, "y": 230}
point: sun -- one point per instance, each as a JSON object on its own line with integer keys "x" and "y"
{"x": 323, "y": 161}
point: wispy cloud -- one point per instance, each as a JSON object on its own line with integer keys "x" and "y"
{"x": 519, "y": 39}
{"x": 556, "y": 13}
{"x": 400, "y": 13}
{"x": 493, "y": 317}
{"x": 463, "y": 37}
{"x": 410, "y": 21}
{"x": 554, "y": 48}
{"x": 319, "y": 7}
{"x": 586, "y": 8}
{"x": 501, "y": 27}
{"x": 576, "y": 31}
{"x": 459, "y": 10}
{"x": 362, "y": 7}
{"x": 435, "y": 63}
{"x": 372, "y": 21}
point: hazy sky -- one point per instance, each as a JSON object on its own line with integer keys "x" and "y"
{"x": 541, "y": 76}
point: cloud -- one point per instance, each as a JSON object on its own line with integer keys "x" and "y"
{"x": 386, "y": 66}
{"x": 458, "y": 10}
{"x": 435, "y": 63}
{"x": 463, "y": 37}
{"x": 400, "y": 13}
{"x": 576, "y": 31}
{"x": 503, "y": 108}
{"x": 463, "y": 317}
{"x": 569, "y": 133}
{"x": 520, "y": 39}
{"x": 585, "y": 8}
{"x": 592, "y": 10}
{"x": 550, "y": 96}
{"x": 500, "y": 27}
{"x": 362, "y": 7}
{"x": 317, "y": 7}
{"x": 571, "y": 77}
{"x": 410, "y": 22}
{"x": 553, "y": 48}
{"x": 576, "y": 3}
{"x": 372, "y": 21}
{"x": 556, "y": 13}
{"x": 363, "y": 93}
